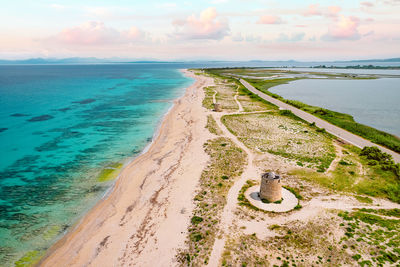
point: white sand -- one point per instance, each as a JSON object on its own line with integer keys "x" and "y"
{"x": 289, "y": 200}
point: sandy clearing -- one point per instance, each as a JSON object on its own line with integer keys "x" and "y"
{"x": 289, "y": 200}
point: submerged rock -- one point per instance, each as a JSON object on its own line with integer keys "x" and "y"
{"x": 3, "y": 129}
{"x": 19, "y": 115}
{"x": 41, "y": 118}
{"x": 85, "y": 101}
{"x": 63, "y": 109}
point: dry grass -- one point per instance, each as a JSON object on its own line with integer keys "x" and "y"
{"x": 352, "y": 174}
{"x": 212, "y": 126}
{"x": 295, "y": 244}
{"x": 283, "y": 136}
{"x": 226, "y": 165}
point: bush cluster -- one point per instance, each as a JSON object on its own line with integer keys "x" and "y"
{"x": 376, "y": 157}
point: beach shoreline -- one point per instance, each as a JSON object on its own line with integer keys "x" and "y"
{"x": 129, "y": 223}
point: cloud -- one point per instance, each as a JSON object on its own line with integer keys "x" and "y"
{"x": 96, "y": 33}
{"x": 316, "y": 10}
{"x": 333, "y": 11}
{"x": 367, "y": 4}
{"x": 268, "y": 19}
{"x": 296, "y": 37}
{"x": 345, "y": 28}
{"x": 312, "y": 10}
{"x": 207, "y": 26}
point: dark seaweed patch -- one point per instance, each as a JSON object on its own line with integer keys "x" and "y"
{"x": 19, "y": 115}
{"x": 3, "y": 129}
{"x": 85, "y": 101}
{"x": 63, "y": 109}
{"x": 41, "y": 118}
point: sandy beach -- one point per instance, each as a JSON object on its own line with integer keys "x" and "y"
{"x": 144, "y": 220}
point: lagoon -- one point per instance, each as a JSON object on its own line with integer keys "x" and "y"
{"x": 373, "y": 102}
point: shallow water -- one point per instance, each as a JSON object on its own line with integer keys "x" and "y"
{"x": 60, "y": 125}
{"x": 371, "y": 102}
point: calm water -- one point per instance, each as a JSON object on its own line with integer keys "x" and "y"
{"x": 370, "y": 102}
{"x": 60, "y": 125}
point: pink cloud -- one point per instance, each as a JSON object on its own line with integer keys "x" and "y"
{"x": 206, "y": 26}
{"x": 268, "y": 19}
{"x": 316, "y": 10}
{"x": 333, "y": 11}
{"x": 96, "y": 33}
{"x": 313, "y": 10}
{"x": 345, "y": 28}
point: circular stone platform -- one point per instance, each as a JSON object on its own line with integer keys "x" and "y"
{"x": 289, "y": 200}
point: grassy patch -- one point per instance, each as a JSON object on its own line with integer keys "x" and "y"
{"x": 295, "y": 244}
{"x": 283, "y": 135}
{"x": 294, "y": 191}
{"x": 109, "y": 172}
{"x": 212, "y": 125}
{"x": 250, "y": 102}
{"x": 371, "y": 238}
{"x": 360, "y": 178}
{"x": 208, "y": 99}
{"x": 30, "y": 258}
{"x": 226, "y": 164}
{"x": 386, "y": 212}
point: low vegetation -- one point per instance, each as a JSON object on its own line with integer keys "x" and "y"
{"x": 354, "y": 173}
{"x": 226, "y": 164}
{"x": 284, "y": 135}
{"x": 250, "y": 102}
{"x": 212, "y": 125}
{"x": 110, "y": 172}
{"x": 381, "y": 159}
{"x": 372, "y": 239}
{"x": 294, "y": 244}
{"x": 208, "y": 99}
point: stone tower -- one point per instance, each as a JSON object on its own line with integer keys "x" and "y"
{"x": 217, "y": 107}
{"x": 271, "y": 187}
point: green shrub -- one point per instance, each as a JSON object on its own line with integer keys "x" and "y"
{"x": 196, "y": 219}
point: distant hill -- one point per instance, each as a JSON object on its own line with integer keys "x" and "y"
{"x": 93, "y": 60}
{"x": 72, "y": 60}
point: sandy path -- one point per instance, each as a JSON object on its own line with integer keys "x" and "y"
{"x": 231, "y": 201}
{"x": 240, "y": 109}
{"x": 145, "y": 218}
{"x": 339, "y": 132}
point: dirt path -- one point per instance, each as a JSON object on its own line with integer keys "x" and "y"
{"x": 338, "y": 132}
{"x": 249, "y": 171}
{"x": 240, "y": 109}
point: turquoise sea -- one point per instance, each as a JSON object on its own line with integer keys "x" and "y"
{"x": 60, "y": 126}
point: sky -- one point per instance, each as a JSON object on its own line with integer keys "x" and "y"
{"x": 203, "y": 29}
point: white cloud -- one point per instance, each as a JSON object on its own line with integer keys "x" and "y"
{"x": 206, "y": 26}
{"x": 268, "y": 19}
{"x": 96, "y": 33}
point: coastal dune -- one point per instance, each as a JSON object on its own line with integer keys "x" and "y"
{"x": 144, "y": 219}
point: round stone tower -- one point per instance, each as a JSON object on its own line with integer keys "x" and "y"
{"x": 217, "y": 107}
{"x": 271, "y": 187}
